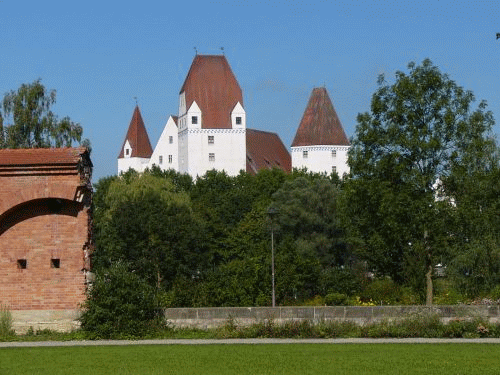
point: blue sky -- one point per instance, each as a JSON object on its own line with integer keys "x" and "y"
{"x": 100, "y": 55}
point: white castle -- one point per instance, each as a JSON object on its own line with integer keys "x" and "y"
{"x": 210, "y": 131}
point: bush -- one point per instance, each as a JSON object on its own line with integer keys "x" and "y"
{"x": 120, "y": 304}
{"x": 382, "y": 291}
{"x": 5, "y": 322}
{"x": 336, "y": 299}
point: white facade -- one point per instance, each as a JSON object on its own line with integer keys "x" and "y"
{"x": 165, "y": 154}
{"x": 127, "y": 162}
{"x": 321, "y": 159}
{"x": 201, "y": 150}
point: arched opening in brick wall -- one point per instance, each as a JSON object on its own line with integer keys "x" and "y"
{"x": 42, "y": 256}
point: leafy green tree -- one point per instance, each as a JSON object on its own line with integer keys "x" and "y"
{"x": 308, "y": 214}
{"x": 475, "y": 267}
{"x": 143, "y": 221}
{"x": 420, "y": 130}
{"x": 29, "y": 122}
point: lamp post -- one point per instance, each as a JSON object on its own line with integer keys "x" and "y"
{"x": 272, "y": 212}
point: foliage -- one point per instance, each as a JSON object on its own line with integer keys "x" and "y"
{"x": 29, "y": 122}
{"x": 5, "y": 322}
{"x": 398, "y": 207}
{"x": 120, "y": 303}
{"x": 143, "y": 221}
{"x": 382, "y": 292}
{"x": 336, "y": 299}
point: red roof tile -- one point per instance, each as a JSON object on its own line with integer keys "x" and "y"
{"x": 41, "y": 156}
{"x": 138, "y": 138}
{"x": 320, "y": 124}
{"x": 211, "y": 83}
{"x": 265, "y": 151}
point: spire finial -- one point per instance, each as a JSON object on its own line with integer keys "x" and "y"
{"x": 136, "y": 102}
{"x": 222, "y": 49}
{"x": 195, "y": 51}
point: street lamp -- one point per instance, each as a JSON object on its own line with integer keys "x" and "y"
{"x": 272, "y": 212}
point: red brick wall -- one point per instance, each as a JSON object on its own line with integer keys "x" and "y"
{"x": 43, "y": 218}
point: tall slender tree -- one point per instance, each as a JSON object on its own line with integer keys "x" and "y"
{"x": 420, "y": 130}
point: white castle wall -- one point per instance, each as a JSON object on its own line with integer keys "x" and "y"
{"x": 321, "y": 159}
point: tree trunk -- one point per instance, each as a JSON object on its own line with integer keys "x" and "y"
{"x": 428, "y": 274}
{"x": 428, "y": 279}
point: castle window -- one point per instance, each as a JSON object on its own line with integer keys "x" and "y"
{"x": 238, "y": 120}
{"x": 55, "y": 263}
{"x": 170, "y": 139}
{"x": 22, "y": 264}
{"x": 210, "y": 139}
{"x": 160, "y": 159}
{"x": 211, "y": 157}
{"x": 334, "y": 153}
{"x": 304, "y": 154}
{"x": 194, "y": 119}
{"x": 170, "y": 159}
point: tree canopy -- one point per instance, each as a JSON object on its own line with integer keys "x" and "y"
{"x": 421, "y": 131}
{"x": 28, "y": 121}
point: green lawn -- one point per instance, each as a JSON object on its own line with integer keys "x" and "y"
{"x": 255, "y": 359}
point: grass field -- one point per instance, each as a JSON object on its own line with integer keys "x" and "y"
{"x": 255, "y": 359}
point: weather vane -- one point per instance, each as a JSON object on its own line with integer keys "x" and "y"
{"x": 498, "y": 36}
{"x": 222, "y": 49}
{"x": 195, "y": 50}
{"x": 136, "y": 102}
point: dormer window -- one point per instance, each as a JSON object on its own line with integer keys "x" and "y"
{"x": 194, "y": 120}
{"x": 238, "y": 120}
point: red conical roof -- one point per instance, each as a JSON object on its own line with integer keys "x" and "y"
{"x": 320, "y": 124}
{"x": 211, "y": 83}
{"x": 138, "y": 138}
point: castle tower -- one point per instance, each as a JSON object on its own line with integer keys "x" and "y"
{"x": 212, "y": 120}
{"x": 136, "y": 150}
{"x": 320, "y": 144}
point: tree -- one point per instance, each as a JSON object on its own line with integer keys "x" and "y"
{"x": 29, "y": 122}
{"x": 143, "y": 221}
{"x": 420, "y": 131}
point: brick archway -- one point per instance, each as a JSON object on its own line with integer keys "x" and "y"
{"x": 45, "y": 228}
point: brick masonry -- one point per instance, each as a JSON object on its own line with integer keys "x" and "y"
{"x": 45, "y": 241}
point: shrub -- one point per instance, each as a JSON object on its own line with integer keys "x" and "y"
{"x": 120, "y": 304}
{"x": 5, "y": 322}
{"x": 381, "y": 291}
{"x": 336, "y": 299}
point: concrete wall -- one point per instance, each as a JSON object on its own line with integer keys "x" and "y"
{"x": 66, "y": 320}
{"x": 213, "y": 317}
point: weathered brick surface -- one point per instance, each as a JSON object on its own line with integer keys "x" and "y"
{"x": 37, "y": 228}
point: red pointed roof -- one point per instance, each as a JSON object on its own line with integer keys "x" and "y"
{"x": 211, "y": 83}
{"x": 265, "y": 151}
{"x": 138, "y": 138}
{"x": 320, "y": 124}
